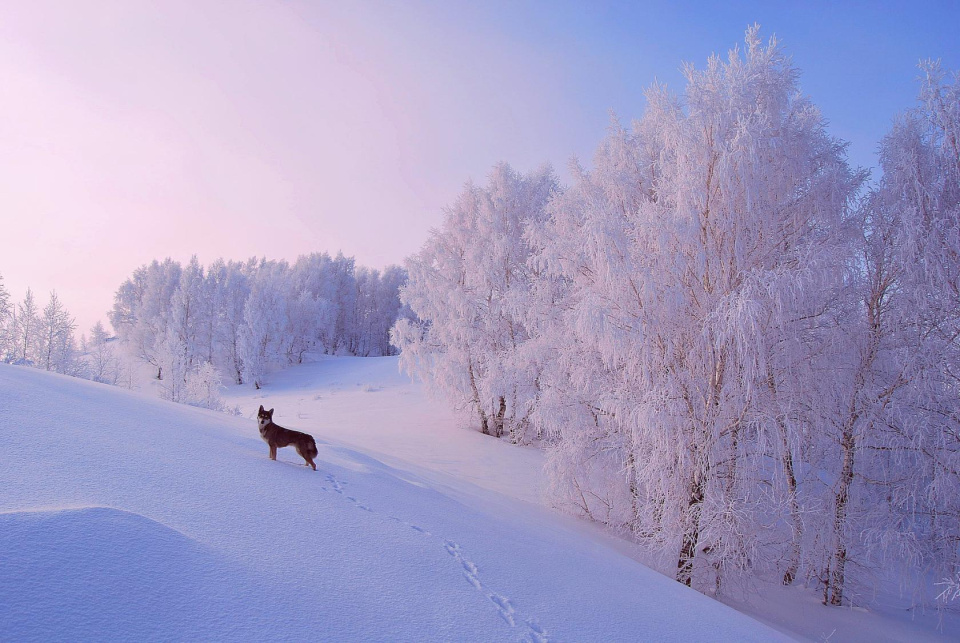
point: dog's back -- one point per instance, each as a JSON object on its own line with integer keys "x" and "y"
{"x": 278, "y": 437}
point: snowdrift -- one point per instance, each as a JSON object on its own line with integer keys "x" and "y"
{"x": 125, "y": 517}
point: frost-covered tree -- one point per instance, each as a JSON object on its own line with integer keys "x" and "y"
{"x": 383, "y": 309}
{"x": 190, "y": 316}
{"x": 142, "y": 311}
{"x": 230, "y": 283}
{"x": 265, "y": 315}
{"x": 469, "y": 286}
{"x": 344, "y": 287}
{"x": 217, "y": 315}
{"x": 56, "y": 344}
{"x": 313, "y": 282}
{"x": 6, "y": 313}
{"x": 202, "y": 387}
{"x": 104, "y": 365}
{"x": 171, "y": 358}
{"x": 25, "y": 332}
{"x": 702, "y": 242}
{"x": 895, "y": 416}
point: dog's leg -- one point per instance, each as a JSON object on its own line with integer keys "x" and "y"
{"x": 304, "y": 453}
{"x": 273, "y": 452}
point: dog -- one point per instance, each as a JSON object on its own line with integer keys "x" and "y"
{"x": 278, "y": 437}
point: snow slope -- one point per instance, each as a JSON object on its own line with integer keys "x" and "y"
{"x": 368, "y": 404}
{"x": 125, "y": 517}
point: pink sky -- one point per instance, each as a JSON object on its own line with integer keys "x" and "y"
{"x": 137, "y": 130}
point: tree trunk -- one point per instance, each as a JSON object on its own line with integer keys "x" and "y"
{"x": 484, "y": 424}
{"x": 691, "y": 535}
{"x": 793, "y": 565}
{"x": 839, "y": 560}
{"x": 786, "y": 461}
{"x": 498, "y": 418}
{"x": 634, "y": 492}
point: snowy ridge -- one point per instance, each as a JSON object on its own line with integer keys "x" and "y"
{"x": 122, "y": 513}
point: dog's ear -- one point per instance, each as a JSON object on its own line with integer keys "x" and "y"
{"x": 270, "y": 413}
{"x": 261, "y": 409}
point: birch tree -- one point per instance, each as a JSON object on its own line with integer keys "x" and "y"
{"x": 699, "y": 241}
{"x": 467, "y": 286}
{"x": 896, "y": 419}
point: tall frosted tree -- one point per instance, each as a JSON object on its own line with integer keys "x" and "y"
{"x": 344, "y": 286}
{"x": 314, "y": 282}
{"x": 230, "y": 281}
{"x": 895, "y": 416}
{"x": 141, "y": 312}
{"x": 468, "y": 286}
{"x": 384, "y": 308}
{"x": 265, "y": 314}
{"x": 702, "y": 241}
{"x": 189, "y": 320}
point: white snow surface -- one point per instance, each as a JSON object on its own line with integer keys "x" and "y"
{"x": 123, "y": 517}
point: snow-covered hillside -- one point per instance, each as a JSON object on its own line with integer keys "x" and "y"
{"x": 126, "y": 517}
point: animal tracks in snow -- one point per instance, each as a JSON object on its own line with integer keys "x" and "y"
{"x": 530, "y": 630}
{"x": 337, "y": 485}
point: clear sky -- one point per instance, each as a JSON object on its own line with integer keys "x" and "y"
{"x": 132, "y": 131}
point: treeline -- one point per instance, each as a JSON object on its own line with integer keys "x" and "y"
{"x": 198, "y": 327}
{"x": 41, "y": 337}
{"x": 735, "y": 350}
{"x": 46, "y": 338}
{"x": 237, "y": 320}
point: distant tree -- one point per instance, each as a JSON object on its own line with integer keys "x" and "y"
{"x": 189, "y": 317}
{"x": 104, "y": 365}
{"x": 26, "y": 330}
{"x": 6, "y": 313}
{"x": 384, "y": 308}
{"x": 265, "y": 317}
{"x": 56, "y": 342}
{"x": 231, "y": 283}
{"x": 303, "y": 311}
{"x": 142, "y": 310}
{"x": 171, "y": 358}
{"x": 314, "y": 275}
{"x": 344, "y": 286}
{"x": 202, "y": 387}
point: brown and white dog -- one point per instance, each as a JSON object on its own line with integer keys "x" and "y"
{"x": 278, "y": 437}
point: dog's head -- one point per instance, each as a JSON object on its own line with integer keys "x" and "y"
{"x": 264, "y": 417}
